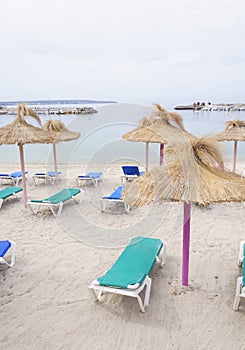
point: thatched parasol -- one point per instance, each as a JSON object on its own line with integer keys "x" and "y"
{"x": 153, "y": 129}
{"x": 61, "y": 133}
{"x": 234, "y": 131}
{"x": 170, "y": 183}
{"x": 21, "y": 132}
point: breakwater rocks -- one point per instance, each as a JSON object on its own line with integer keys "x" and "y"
{"x": 53, "y": 110}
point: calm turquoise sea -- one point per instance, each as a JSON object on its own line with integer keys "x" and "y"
{"x": 101, "y": 139}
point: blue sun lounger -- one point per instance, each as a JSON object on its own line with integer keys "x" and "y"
{"x": 5, "y": 246}
{"x": 9, "y": 191}
{"x": 130, "y": 172}
{"x": 116, "y": 196}
{"x": 93, "y": 177}
{"x": 13, "y": 178}
{"x": 46, "y": 176}
{"x": 55, "y": 202}
{"x": 240, "y": 287}
{"x": 131, "y": 271}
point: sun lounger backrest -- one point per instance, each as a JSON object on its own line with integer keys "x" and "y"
{"x": 117, "y": 194}
{"x": 63, "y": 195}
{"x": 94, "y": 175}
{"x": 134, "y": 263}
{"x": 131, "y": 170}
{"x": 17, "y": 174}
{"x": 4, "y": 247}
{"x": 9, "y": 192}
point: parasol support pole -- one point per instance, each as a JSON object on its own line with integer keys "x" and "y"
{"x": 234, "y": 156}
{"x": 55, "y": 163}
{"x": 186, "y": 243}
{"x": 22, "y": 165}
{"x": 161, "y": 153}
{"x": 147, "y": 156}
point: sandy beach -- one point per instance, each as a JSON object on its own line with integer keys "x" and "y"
{"x": 45, "y": 302}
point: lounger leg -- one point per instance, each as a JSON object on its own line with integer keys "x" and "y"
{"x": 237, "y": 295}
{"x": 240, "y": 257}
{"x": 103, "y": 205}
{"x": 127, "y": 207}
{"x": 1, "y": 203}
{"x": 142, "y": 309}
{"x": 13, "y": 246}
{"x": 17, "y": 181}
{"x": 59, "y": 209}
{"x": 93, "y": 294}
{"x": 33, "y": 210}
{"x": 148, "y": 291}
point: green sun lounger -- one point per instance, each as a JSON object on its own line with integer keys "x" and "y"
{"x": 9, "y": 191}
{"x": 240, "y": 287}
{"x": 130, "y": 273}
{"x": 55, "y": 202}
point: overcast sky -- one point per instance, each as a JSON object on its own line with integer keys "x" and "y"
{"x": 166, "y": 51}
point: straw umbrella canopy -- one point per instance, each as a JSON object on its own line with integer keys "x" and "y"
{"x": 170, "y": 183}
{"x": 152, "y": 129}
{"x": 20, "y": 132}
{"x": 234, "y": 131}
{"x": 60, "y": 133}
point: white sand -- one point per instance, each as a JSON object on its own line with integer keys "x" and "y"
{"x": 45, "y": 303}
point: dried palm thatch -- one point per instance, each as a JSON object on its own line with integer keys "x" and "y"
{"x": 60, "y": 131}
{"x": 206, "y": 150}
{"x": 21, "y": 132}
{"x": 172, "y": 182}
{"x": 234, "y": 131}
{"x": 153, "y": 129}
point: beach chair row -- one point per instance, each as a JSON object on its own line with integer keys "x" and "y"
{"x": 56, "y": 201}
{"x": 14, "y": 178}
{"x": 130, "y": 273}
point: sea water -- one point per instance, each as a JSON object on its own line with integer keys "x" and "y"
{"x": 101, "y": 135}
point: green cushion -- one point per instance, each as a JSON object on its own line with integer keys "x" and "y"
{"x": 134, "y": 263}
{"x": 243, "y": 267}
{"x": 61, "y": 196}
{"x": 9, "y": 191}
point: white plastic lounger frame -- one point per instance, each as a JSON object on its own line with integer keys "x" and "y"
{"x": 240, "y": 293}
{"x": 16, "y": 195}
{"x": 56, "y": 209}
{"x": 14, "y": 180}
{"x": 45, "y": 177}
{"x": 81, "y": 179}
{"x": 240, "y": 288}
{"x": 12, "y": 260}
{"x": 133, "y": 290}
{"x": 240, "y": 256}
{"x": 105, "y": 201}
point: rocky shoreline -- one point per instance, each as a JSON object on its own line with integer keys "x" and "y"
{"x": 52, "y": 110}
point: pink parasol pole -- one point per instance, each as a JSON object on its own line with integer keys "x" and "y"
{"x": 186, "y": 243}
{"x": 234, "y": 156}
{"x": 146, "y": 156}
{"x": 22, "y": 165}
{"x": 55, "y": 163}
{"x": 161, "y": 153}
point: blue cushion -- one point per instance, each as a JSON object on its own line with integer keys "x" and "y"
{"x": 17, "y": 174}
{"x": 117, "y": 194}
{"x": 4, "y": 247}
{"x": 94, "y": 175}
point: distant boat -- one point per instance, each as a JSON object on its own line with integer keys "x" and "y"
{"x": 180, "y": 108}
